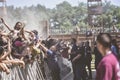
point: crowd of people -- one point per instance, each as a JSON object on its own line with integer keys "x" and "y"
{"x": 15, "y": 47}
{"x": 19, "y": 47}
{"x": 107, "y": 59}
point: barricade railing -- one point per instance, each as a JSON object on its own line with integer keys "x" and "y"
{"x": 30, "y": 72}
{"x": 37, "y": 71}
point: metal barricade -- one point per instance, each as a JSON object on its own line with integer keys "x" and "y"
{"x": 37, "y": 71}
{"x": 30, "y": 72}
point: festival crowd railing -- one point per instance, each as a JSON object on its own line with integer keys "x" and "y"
{"x": 30, "y": 72}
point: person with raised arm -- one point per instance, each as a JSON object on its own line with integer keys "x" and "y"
{"x": 5, "y": 51}
{"x": 52, "y": 61}
{"x": 18, "y": 29}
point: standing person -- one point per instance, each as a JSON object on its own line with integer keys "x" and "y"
{"x": 83, "y": 72}
{"x": 18, "y": 29}
{"x": 75, "y": 59}
{"x": 98, "y": 56}
{"x": 115, "y": 48}
{"x": 88, "y": 58}
{"x": 52, "y": 62}
{"x": 108, "y": 68}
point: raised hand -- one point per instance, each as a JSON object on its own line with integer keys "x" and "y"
{"x": 2, "y": 20}
{"x": 22, "y": 63}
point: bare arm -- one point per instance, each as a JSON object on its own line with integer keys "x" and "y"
{"x": 3, "y": 34}
{"x": 8, "y": 52}
{"x": 31, "y": 33}
{"x": 27, "y": 31}
{"x": 6, "y": 24}
{"x": 22, "y": 32}
{"x": 14, "y": 61}
{"x": 43, "y": 47}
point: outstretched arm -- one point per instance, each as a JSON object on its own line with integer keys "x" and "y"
{"x": 31, "y": 33}
{"x": 22, "y": 32}
{"x": 43, "y": 47}
{"x": 5, "y": 24}
{"x": 8, "y": 52}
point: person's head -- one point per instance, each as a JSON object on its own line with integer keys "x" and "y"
{"x": 35, "y": 32}
{"x": 18, "y": 26}
{"x": 1, "y": 50}
{"x": 1, "y": 28}
{"x": 114, "y": 42}
{"x": 104, "y": 42}
{"x": 95, "y": 44}
{"x": 3, "y": 41}
{"x": 81, "y": 44}
{"x": 53, "y": 48}
{"x": 87, "y": 43}
{"x": 73, "y": 41}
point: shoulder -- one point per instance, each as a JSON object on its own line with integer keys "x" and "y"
{"x": 49, "y": 52}
{"x": 109, "y": 59}
{"x": 105, "y": 65}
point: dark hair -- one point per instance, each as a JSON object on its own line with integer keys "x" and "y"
{"x": 114, "y": 42}
{"x": 35, "y": 32}
{"x": 74, "y": 40}
{"x": 105, "y": 39}
{"x": 2, "y": 43}
{"x": 81, "y": 44}
{"x": 95, "y": 43}
{"x": 87, "y": 43}
{"x": 15, "y": 27}
{"x": 1, "y": 50}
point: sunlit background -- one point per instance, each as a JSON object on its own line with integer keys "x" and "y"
{"x": 50, "y": 3}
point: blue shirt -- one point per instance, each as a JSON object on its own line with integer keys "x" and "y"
{"x": 52, "y": 55}
{"x": 114, "y": 50}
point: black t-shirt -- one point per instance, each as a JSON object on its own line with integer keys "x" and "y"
{"x": 74, "y": 51}
{"x": 88, "y": 51}
{"x": 81, "y": 51}
{"x": 98, "y": 55}
{"x": 88, "y": 54}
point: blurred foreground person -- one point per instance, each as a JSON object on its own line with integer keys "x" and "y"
{"x": 108, "y": 68}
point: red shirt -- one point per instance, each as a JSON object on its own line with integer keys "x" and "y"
{"x": 108, "y": 68}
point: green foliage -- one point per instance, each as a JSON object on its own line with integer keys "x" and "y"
{"x": 67, "y": 15}
{"x": 66, "y": 25}
{"x": 118, "y": 25}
